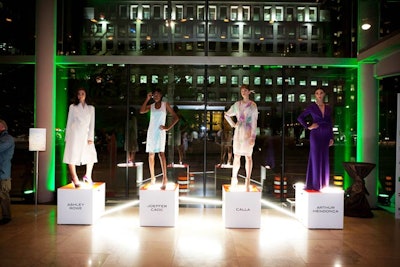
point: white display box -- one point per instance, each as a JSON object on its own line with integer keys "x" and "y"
{"x": 241, "y": 208}
{"x": 158, "y": 207}
{"x": 320, "y": 209}
{"x": 139, "y": 169}
{"x": 83, "y": 205}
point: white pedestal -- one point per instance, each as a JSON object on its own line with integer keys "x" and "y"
{"x": 139, "y": 169}
{"x": 320, "y": 210}
{"x": 158, "y": 207}
{"x": 241, "y": 209}
{"x": 83, "y": 205}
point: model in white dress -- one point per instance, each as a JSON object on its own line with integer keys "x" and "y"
{"x": 244, "y": 137}
{"x": 156, "y": 134}
{"x": 79, "y": 138}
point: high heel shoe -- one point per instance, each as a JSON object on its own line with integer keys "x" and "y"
{"x": 234, "y": 181}
{"x": 76, "y": 184}
{"x": 164, "y": 184}
{"x": 87, "y": 180}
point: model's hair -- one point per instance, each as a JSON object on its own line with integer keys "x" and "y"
{"x": 157, "y": 90}
{"x": 76, "y": 100}
{"x": 4, "y": 124}
{"x": 319, "y": 88}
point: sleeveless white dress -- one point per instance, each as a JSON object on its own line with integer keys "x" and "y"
{"x": 156, "y": 137}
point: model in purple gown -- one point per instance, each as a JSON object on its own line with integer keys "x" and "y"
{"x": 321, "y": 138}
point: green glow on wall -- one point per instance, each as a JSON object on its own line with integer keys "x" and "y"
{"x": 61, "y": 120}
{"x": 360, "y": 117}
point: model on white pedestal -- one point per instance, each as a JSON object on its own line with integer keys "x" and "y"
{"x": 244, "y": 136}
{"x": 156, "y": 133}
{"x": 79, "y": 138}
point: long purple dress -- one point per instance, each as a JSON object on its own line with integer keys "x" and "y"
{"x": 318, "y": 161}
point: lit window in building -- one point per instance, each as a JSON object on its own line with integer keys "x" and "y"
{"x": 325, "y": 83}
{"x": 302, "y": 82}
{"x": 312, "y": 14}
{"x": 291, "y": 81}
{"x": 212, "y": 12}
{"x": 290, "y": 98}
{"x": 201, "y": 29}
{"x": 110, "y": 28}
{"x": 200, "y": 79}
{"x": 234, "y": 12}
{"x": 165, "y": 79}
{"x": 222, "y": 80}
{"x": 268, "y": 97}
{"x": 257, "y": 80}
{"x": 279, "y": 98}
{"x": 179, "y": 12}
{"x": 211, "y": 79}
{"x": 279, "y": 13}
{"x": 289, "y": 14}
{"x": 235, "y": 30}
{"x": 267, "y": 13}
{"x": 302, "y": 98}
{"x": 234, "y": 97}
{"x": 246, "y": 13}
{"x": 313, "y": 83}
{"x": 146, "y": 12}
{"x": 304, "y": 32}
{"x": 200, "y": 13}
{"x": 300, "y": 13}
{"x": 234, "y": 80}
{"x": 268, "y": 81}
{"x": 134, "y": 12}
{"x": 189, "y": 79}
{"x": 143, "y": 79}
{"x": 154, "y": 79}
{"x": 212, "y": 29}
{"x": 246, "y": 30}
{"x": 279, "y": 80}
{"x": 256, "y": 13}
{"x": 257, "y": 97}
{"x": 246, "y": 80}
{"x": 133, "y": 78}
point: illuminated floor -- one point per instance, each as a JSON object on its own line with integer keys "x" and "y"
{"x": 199, "y": 239}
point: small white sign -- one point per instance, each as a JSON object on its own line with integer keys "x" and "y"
{"x": 37, "y": 139}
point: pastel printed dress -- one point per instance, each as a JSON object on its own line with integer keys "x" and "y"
{"x": 245, "y": 131}
{"x": 156, "y": 137}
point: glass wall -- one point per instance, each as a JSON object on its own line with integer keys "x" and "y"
{"x": 202, "y": 94}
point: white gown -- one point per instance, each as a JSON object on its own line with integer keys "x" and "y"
{"x": 80, "y": 129}
{"x": 156, "y": 138}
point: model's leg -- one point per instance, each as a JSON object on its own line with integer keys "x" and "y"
{"x": 229, "y": 148}
{"x": 88, "y": 176}
{"x": 151, "y": 168}
{"x": 163, "y": 163}
{"x": 249, "y": 168}
{"x": 74, "y": 176}
{"x": 235, "y": 169}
